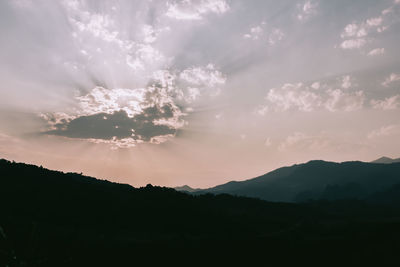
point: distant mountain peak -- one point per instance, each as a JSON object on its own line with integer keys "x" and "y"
{"x": 386, "y": 160}
{"x": 316, "y": 179}
{"x": 186, "y": 188}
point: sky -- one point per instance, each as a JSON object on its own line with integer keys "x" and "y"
{"x": 197, "y": 92}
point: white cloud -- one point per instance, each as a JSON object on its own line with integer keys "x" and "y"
{"x": 262, "y": 32}
{"x": 385, "y": 131}
{"x": 353, "y": 43}
{"x": 339, "y": 100}
{"x": 98, "y": 25}
{"x": 102, "y": 100}
{"x": 353, "y": 30}
{"x": 382, "y": 29}
{"x": 275, "y": 36}
{"x": 255, "y": 33}
{"x": 389, "y": 103}
{"x": 376, "y": 52}
{"x": 94, "y": 33}
{"x": 374, "y": 21}
{"x": 346, "y": 82}
{"x": 355, "y": 34}
{"x": 306, "y": 10}
{"x": 292, "y": 140}
{"x": 387, "y": 11}
{"x": 208, "y": 76}
{"x": 195, "y": 10}
{"x": 262, "y": 110}
{"x": 393, "y": 77}
{"x": 149, "y": 34}
{"x": 293, "y": 96}
{"x": 309, "y": 98}
{"x": 316, "y": 85}
{"x": 197, "y": 81}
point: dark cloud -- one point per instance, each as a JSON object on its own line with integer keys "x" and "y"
{"x": 118, "y": 125}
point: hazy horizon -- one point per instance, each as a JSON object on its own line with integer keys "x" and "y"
{"x": 197, "y": 92}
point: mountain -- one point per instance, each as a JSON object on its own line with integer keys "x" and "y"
{"x": 315, "y": 180}
{"x": 51, "y": 218}
{"x": 386, "y": 160}
{"x": 186, "y": 188}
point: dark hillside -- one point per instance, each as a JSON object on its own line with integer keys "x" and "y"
{"x": 50, "y": 218}
{"x": 316, "y": 180}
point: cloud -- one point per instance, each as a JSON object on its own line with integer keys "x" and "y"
{"x": 376, "y": 52}
{"x": 204, "y": 77}
{"x": 275, "y": 36}
{"x": 356, "y": 35}
{"x": 314, "y": 96}
{"x": 354, "y": 30}
{"x": 124, "y": 117}
{"x": 147, "y": 126}
{"x": 102, "y": 100}
{"x": 385, "y": 131}
{"x": 303, "y": 141}
{"x": 374, "y": 22}
{"x": 200, "y": 81}
{"x": 293, "y": 96}
{"x": 195, "y": 9}
{"x": 255, "y": 33}
{"x": 262, "y": 110}
{"x": 306, "y": 10}
{"x": 353, "y": 43}
{"x": 120, "y": 116}
{"x": 119, "y": 71}
{"x": 389, "y": 103}
{"x": 264, "y": 33}
{"x": 150, "y": 33}
{"x": 346, "y": 82}
{"x": 343, "y": 101}
{"x": 393, "y": 77}
{"x": 102, "y": 39}
{"x": 316, "y": 85}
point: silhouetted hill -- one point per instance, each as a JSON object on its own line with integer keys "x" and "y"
{"x": 386, "y": 160}
{"x": 50, "y": 218}
{"x": 186, "y": 188}
{"x": 56, "y": 218}
{"x": 316, "y": 180}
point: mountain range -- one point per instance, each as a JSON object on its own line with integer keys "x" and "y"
{"x": 386, "y": 160}
{"x": 51, "y": 218}
{"x": 315, "y": 180}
